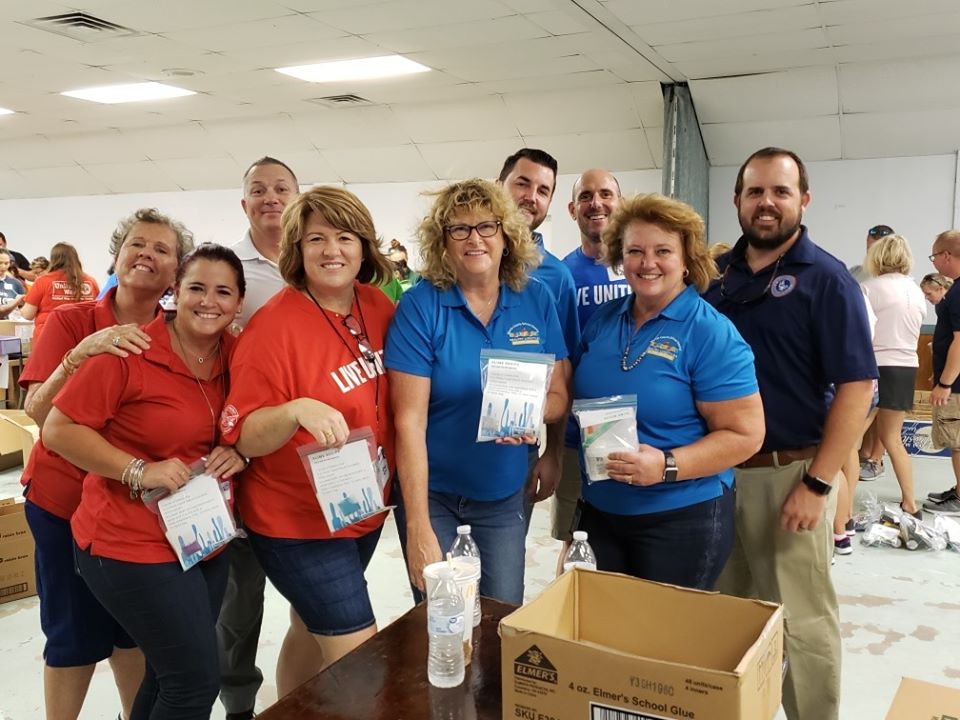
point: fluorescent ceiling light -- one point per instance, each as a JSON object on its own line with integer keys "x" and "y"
{"x": 361, "y": 69}
{"x": 134, "y": 92}
{"x": 4, "y": 111}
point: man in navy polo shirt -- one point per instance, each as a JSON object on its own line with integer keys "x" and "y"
{"x": 596, "y": 195}
{"x": 804, "y": 317}
{"x": 946, "y": 369}
{"x": 530, "y": 176}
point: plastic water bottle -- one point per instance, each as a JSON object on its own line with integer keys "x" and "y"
{"x": 445, "y": 625}
{"x": 465, "y": 547}
{"x": 580, "y": 554}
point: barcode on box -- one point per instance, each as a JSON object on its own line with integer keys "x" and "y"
{"x": 605, "y": 712}
{"x": 13, "y": 589}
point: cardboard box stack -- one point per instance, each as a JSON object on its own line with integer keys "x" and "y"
{"x": 17, "y": 573}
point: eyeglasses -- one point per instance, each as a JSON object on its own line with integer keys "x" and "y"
{"x": 936, "y": 254}
{"x": 750, "y": 300}
{"x": 485, "y": 229}
{"x": 353, "y": 327}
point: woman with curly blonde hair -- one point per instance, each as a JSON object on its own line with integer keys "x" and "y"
{"x": 475, "y": 293}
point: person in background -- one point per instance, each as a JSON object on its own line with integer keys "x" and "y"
{"x": 39, "y": 265}
{"x": 268, "y": 186}
{"x": 717, "y": 249}
{"x": 475, "y": 293}
{"x": 669, "y": 514}
{"x": 21, "y": 266}
{"x": 138, "y": 423}
{"x": 397, "y": 255}
{"x": 898, "y": 303}
{"x": 147, "y": 247}
{"x": 11, "y": 289}
{"x": 332, "y": 313}
{"x": 64, "y": 283}
{"x": 935, "y": 286}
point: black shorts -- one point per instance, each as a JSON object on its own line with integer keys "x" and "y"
{"x": 896, "y": 387}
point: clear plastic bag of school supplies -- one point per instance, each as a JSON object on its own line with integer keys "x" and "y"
{"x": 878, "y": 534}
{"x": 868, "y": 511}
{"x": 607, "y": 424}
{"x": 918, "y": 535}
{"x": 949, "y": 528}
{"x": 514, "y": 393}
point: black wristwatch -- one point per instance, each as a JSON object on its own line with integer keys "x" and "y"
{"x": 944, "y": 385}
{"x": 816, "y": 485}
{"x": 669, "y": 467}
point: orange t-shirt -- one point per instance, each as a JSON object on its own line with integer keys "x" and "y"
{"x": 52, "y": 290}
{"x": 150, "y": 406}
{"x": 289, "y": 351}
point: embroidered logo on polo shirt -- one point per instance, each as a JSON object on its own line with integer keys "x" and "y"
{"x": 523, "y": 333}
{"x": 228, "y": 418}
{"x": 664, "y": 346}
{"x": 783, "y": 285}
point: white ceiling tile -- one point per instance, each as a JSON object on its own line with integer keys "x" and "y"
{"x": 741, "y": 24}
{"x": 769, "y": 96}
{"x": 887, "y": 86}
{"x": 904, "y": 49}
{"x": 842, "y": 12}
{"x": 169, "y": 15}
{"x": 100, "y": 147}
{"x": 257, "y": 137}
{"x": 310, "y": 166}
{"x": 812, "y": 139}
{"x": 456, "y": 160}
{"x": 657, "y": 11}
{"x": 185, "y": 141}
{"x": 132, "y": 177}
{"x": 303, "y": 53}
{"x": 787, "y": 41}
{"x": 530, "y": 6}
{"x": 615, "y": 151}
{"x": 67, "y": 180}
{"x": 571, "y": 81}
{"x": 379, "y": 164}
{"x": 239, "y": 37}
{"x": 351, "y": 127}
{"x": 403, "y": 14}
{"x": 648, "y": 100}
{"x": 32, "y": 152}
{"x": 12, "y": 185}
{"x": 610, "y": 108}
{"x": 758, "y": 63}
{"x": 655, "y": 143}
{"x": 867, "y": 135}
{"x": 514, "y": 28}
{"x": 481, "y": 119}
{"x": 202, "y": 174}
{"x": 562, "y": 22}
{"x": 893, "y": 30}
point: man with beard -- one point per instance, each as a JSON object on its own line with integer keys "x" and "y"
{"x": 530, "y": 177}
{"x": 804, "y": 317}
{"x": 596, "y": 194}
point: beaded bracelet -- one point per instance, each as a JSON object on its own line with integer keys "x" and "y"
{"x": 70, "y": 365}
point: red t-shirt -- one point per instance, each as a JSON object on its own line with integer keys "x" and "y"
{"x": 52, "y": 290}
{"x": 149, "y": 405}
{"x": 289, "y": 351}
{"x": 55, "y": 484}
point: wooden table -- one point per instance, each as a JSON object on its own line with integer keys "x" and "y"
{"x": 386, "y": 678}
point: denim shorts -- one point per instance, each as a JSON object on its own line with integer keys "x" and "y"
{"x": 322, "y": 579}
{"x": 78, "y": 629}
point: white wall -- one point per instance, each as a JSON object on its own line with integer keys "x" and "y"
{"x": 913, "y": 195}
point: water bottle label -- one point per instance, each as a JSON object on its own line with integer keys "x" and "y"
{"x": 445, "y": 624}
{"x": 585, "y": 565}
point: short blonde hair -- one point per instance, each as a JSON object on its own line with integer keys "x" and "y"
{"x": 670, "y": 215}
{"x": 889, "y": 254}
{"x": 718, "y": 249}
{"x": 520, "y": 254}
{"x": 941, "y": 281}
{"x": 344, "y": 211}
{"x": 948, "y": 240}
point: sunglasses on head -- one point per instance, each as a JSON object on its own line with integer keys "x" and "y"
{"x": 353, "y": 327}
{"x": 879, "y": 231}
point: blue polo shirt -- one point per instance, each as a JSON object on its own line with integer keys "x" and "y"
{"x": 435, "y": 335}
{"x": 694, "y": 354}
{"x": 948, "y": 322}
{"x": 596, "y": 284}
{"x": 555, "y": 275}
{"x": 10, "y": 287}
{"x": 807, "y": 325}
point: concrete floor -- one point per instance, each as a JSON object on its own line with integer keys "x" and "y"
{"x": 900, "y": 614}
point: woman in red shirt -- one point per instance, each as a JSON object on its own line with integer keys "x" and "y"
{"x": 65, "y": 282}
{"x": 309, "y": 368}
{"x": 147, "y": 247}
{"x": 138, "y": 423}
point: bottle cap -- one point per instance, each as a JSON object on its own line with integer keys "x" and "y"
{"x": 463, "y": 529}
{"x": 446, "y": 572}
{"x": 580, "y": 535}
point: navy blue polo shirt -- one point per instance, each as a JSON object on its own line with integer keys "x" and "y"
{"x": 694, "y": 354}
{"x": 435, "y": 335}
{"x": 806, "y": 321}
{"x": 948, "y": 322}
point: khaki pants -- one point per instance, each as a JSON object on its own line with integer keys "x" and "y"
{"x": 793, "y": 569}
{"x": 565, "y": 499}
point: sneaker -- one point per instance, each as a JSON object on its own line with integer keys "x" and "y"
{"x": 947, "y": 507}
{"x": 939, "y": 497}
{"x": 918, "y": 514}
{"x": 871, "y": 469}
{"x": 850, "y": 528}
{"x": 842, "y": 544}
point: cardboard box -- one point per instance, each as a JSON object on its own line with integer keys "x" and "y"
{"x": 917, "y": 699}
{"x": 22, "y": 329}
{"x": 18, "y": 577}
{"x": 11, "y": 443}
{"x": 917, "y": 439}
{"x": 9, "y": 345}
{"x": 598, "y": 646}
{"x": 22, "y": 427}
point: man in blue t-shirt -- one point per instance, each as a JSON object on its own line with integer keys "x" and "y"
{"x": 804, "y": 317}
{"x": 530, "y": 176}
{"x": 945, "y": 397}
{"x": 596, "y": 194}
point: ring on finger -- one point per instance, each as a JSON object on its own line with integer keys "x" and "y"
{"x": 116, "y": 341}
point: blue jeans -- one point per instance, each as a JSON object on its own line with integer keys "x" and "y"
{"x": 171, "y": 614}
{"x": 688, "y": 546}
{"x": 498, "y": 527}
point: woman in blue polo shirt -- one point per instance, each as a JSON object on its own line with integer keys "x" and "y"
{"x": 667, "y": 511}
{"x": 474, "y": 294}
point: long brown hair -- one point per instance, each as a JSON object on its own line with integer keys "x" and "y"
{"x": 63, "y": 256}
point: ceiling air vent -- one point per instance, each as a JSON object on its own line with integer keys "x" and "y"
{"x": 80, "y": 26}
{"x": 336, "y": 101}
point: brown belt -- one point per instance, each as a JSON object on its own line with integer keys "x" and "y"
{"x": 778, "y": 458}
